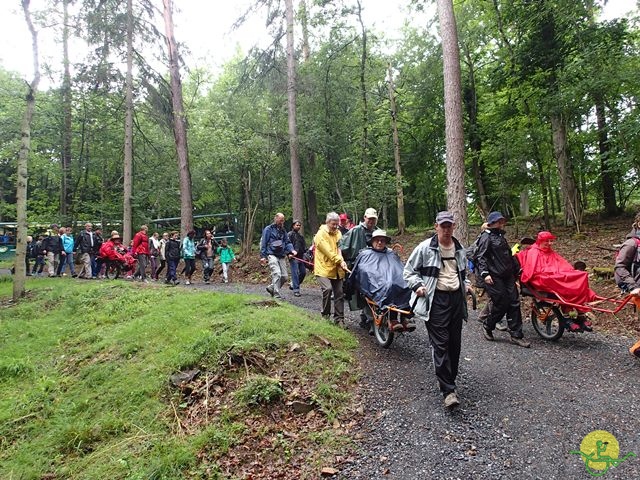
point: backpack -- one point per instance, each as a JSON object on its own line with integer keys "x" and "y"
{"x": 472, "y": 253}
{"x": 635, "y": 264}
{"x": 308, "y": 256}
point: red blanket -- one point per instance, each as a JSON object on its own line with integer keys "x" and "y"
{"x": 547, "y": 271}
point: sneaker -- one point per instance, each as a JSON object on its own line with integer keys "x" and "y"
{"x": 488, "y": 334}
{"x": 521, "y": 342}
{"x": 451, "y": 400}
{"x": 226, "y": 281}
{"x": 176, "y": 282}
{"x": 187, "y": 282}
{"x": 408, "y": 325}
{"x": 502, "y": 325}
{"x": 277, "y": 296}
{"x": 269, "y": 289}
{"x": 573, "y": 327}
{"x": 395, "y": 326}
{"x": 206, "y": 282}
{"x": 296, "y": 294}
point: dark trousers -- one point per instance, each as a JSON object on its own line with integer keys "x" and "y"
{"x": 298, "y": 272}
{"x": 163, "y": 263}
{"x": 445, "y": 334}
{"x": 506, "y": 301}
{"x": 172, "y": 266}
{"x": 141, "y": 271}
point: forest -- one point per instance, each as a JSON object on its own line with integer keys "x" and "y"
{"x": 549, "y": 105}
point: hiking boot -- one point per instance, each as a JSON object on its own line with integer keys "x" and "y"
{"x": 364, "y": 321}
{"x": 451, "y": 400}
{"x": 502, "y": 325}
{"x": 487, "y": 334}
{"x": 584, "y": 323}
{"x": 269, "y": 289}
{"x": 521, "y": 342}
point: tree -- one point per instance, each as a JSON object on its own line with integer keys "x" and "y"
{"x": 23, "y": 163}
{"x": 65, "y": 194}
{"x": 179, "y": 124}
{"x": 456, "y": 193}
{"x": 296, "y": 176}
{"x": 396, "y": 154}
{"x": 127, "y": 220}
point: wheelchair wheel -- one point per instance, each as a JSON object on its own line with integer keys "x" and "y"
{"x": 383, "y": 335}
{"x": 112, "y": 270}
{"x": 547, "y": 321}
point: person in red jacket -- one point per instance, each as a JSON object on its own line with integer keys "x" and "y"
{"x": 546, "y": 270}
{"x": 140, "y": 250}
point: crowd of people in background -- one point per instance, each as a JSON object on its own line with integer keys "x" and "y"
{"x": 88, "y": 255}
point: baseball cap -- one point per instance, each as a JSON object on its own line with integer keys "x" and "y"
{"x": 444, "y": 217}
{"x": 370, "y": 213}
{"x": 494, "y": 217}
{"x": 343, "y": 216}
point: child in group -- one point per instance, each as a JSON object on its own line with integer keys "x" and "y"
{"x": 225, "y": 252}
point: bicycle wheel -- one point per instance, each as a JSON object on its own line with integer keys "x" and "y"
{"x": 547, "y": 321}
{"x": 383, "y": 335}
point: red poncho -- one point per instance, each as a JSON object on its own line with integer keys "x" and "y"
{"x": 547, "y": 271}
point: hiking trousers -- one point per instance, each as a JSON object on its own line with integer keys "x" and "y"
{"x": 445, "y": 335}
{"x": 506, "y": 301}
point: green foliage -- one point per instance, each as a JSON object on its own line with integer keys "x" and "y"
{"x": 259, "y": 390}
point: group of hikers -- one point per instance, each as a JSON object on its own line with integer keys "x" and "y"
{"x": 433, "y": 283}
{"x": 144, "y": 258}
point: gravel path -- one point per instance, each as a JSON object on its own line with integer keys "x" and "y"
{"x": 522, "y": 410}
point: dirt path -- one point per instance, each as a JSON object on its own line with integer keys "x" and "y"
{"x": 522, "y": 412}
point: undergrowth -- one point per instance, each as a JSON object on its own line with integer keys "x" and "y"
{"x": 85, "y": 366}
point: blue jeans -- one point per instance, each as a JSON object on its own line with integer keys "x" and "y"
{"x": 64, "y": 261}
{"x": 298, "y": 272}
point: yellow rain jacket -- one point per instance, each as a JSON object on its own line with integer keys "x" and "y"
{"x": 327, "y": 257}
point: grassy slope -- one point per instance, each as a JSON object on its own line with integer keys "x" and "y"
{"x": 84, "y": 373}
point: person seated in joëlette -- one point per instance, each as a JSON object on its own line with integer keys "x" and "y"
{"x": 377, "y": 274}
{"x": 546, "y": 270}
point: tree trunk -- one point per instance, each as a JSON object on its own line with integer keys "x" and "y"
{"x": 475, "y": 141}
{"x": 65, "y": 194}
{"x": 608, "y": 188}
{"x": 363, "y": 92}
{"x": 23, "y": 165}
{"x": 570, "y": 198}
{"x": 312, "y": 201}
{"x": 396, "y": 154}
{"x": 179, "y": 124}
{"x": 454, "y": 133}
{"x": 296, "y": 176}
{"x": 127, "y": 218}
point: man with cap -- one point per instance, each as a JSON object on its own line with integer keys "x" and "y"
{"x": 352, "y": 243}
{"x": 498, "y": 270}
{"x": 345, "y": 224}
{"x": 436, "y": 273}
{"x": 298, "y": 270}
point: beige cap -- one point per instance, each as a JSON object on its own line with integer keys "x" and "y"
{"x": 370, "y": 213}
